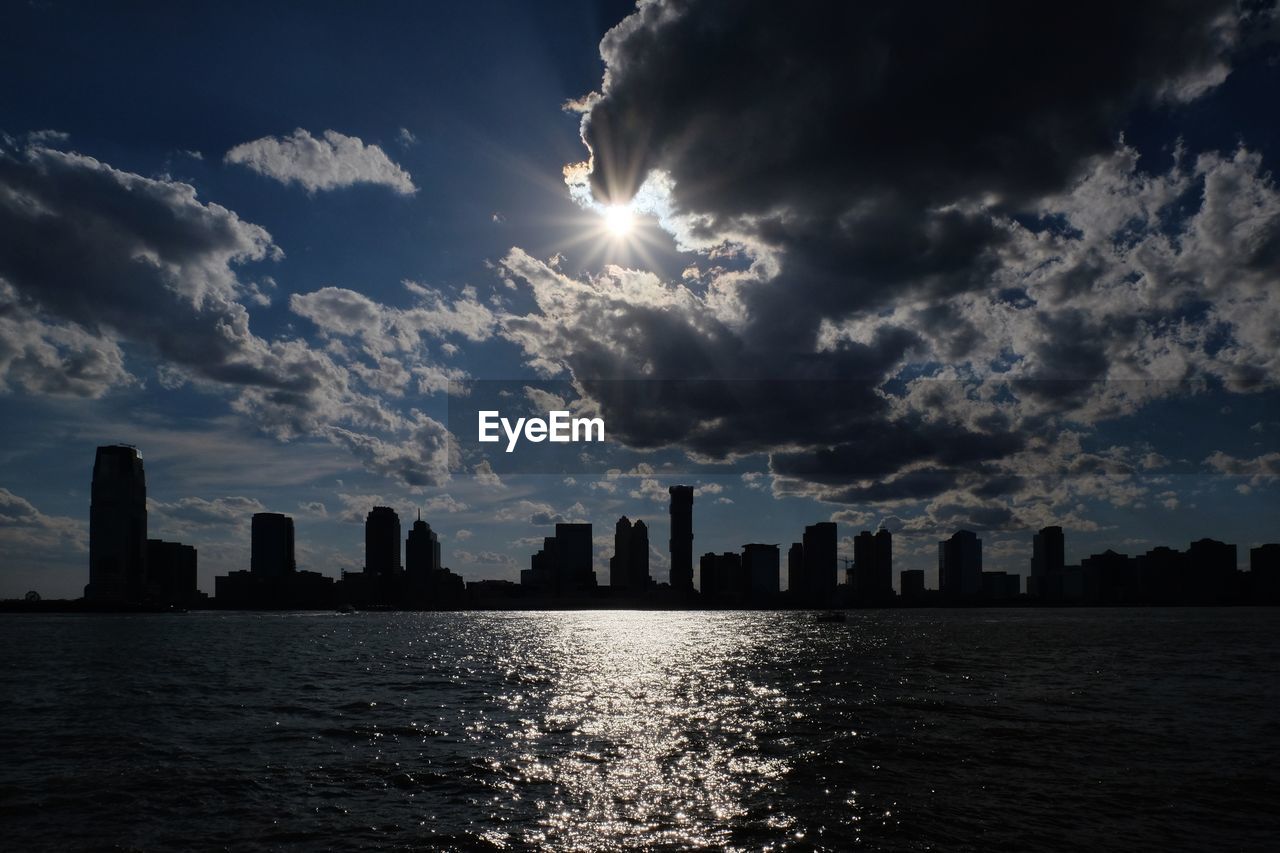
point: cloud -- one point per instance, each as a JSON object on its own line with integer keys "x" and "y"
{"x": 331, "y": 162}
{"x": 21, "y": 524}
{"x": 917, "y": 287}
{"x": 92, "y": 257}
{"x": 200, "y": 512}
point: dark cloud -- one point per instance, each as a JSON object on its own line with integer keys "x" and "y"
{"x": 753, "y": 107}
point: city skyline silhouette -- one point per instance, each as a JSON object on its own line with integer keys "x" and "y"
{"x": 127, "y": 569}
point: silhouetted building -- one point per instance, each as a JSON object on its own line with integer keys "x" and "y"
{"x": 960, "y": 566}
{"x": 1213, "y": 572}
{"x": 873, "y": 567}
{"x": 1000, "y": 586}
{"x": 171, "y": 570}
{"x": 820, "y": 564}
{"x": 760, "y": 567}
{"x": 271, "y": 553}
{"x": 911, "y": 585}
{"x": 722, "y": 581}
{"x": 1106, "y": 578}
{"x": 629, "y": 565}
{"x": 1048, "y": 559}
{"x": 681, "y": 542}
{"x": 1264, "y": 573}
{"x": 117, "y": 527}
{"x": 1164, "y": 574}
{"x": 382, "y": 542}
{"x": 795, "y": 570}
{"x": 564, "y": 565}
{"x": 421, "y": 551}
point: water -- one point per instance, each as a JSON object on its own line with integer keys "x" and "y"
{"x": 907, "y": 730}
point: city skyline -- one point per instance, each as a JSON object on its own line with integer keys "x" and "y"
{"x": 129, "y": 569}
{"x": 1002, "y": 302}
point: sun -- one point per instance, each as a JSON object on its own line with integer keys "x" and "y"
{"x": 619, "y": 219}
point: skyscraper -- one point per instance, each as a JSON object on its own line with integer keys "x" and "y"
{"x": 117, "y": 527}
{"x": 795, "y": 571}
{"x": 820, "y": 570}
{"x": 760, "y": 565}
{"x": 1048, "y": 559}
{"x": 382, "y": 542}
{"x": 681, "y": 537}
{"x": 873, "y": 566}
{"x": 421, "y": 551}
{"x": 629, "y": 565}
{"x": 565, "y": 563}
{"x": 960, "y": 565}
{"x": 271, "y": 552}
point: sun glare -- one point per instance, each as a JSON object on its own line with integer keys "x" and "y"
{"x": 618, "y": 219}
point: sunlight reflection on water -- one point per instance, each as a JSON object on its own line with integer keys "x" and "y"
{"x": 612, "y": 730}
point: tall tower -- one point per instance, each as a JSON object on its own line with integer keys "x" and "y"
{"x": 1048, "y": 557}
{"x": 960, "y": 565}
{"x": 271, "y": 550}
{"x": 638, "y": 559}
{"x": 620, "y": 562}
{"x": 681, "y": 537}
{"x": 421, "y": 551}
{"x": 820, "y": 560}
{"x": 382, "y": 542}
{"x": 117, "y": 527}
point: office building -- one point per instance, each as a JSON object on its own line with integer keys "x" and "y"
{"x": 960, "y": 566}
{"x": 681, "y": 543}
{"x": 271, "y": 549}
{"x": 117, "y": 527}
{"x": 382, "y": 542}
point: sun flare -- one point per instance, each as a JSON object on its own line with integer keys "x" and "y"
{"x": 619, "y": 220}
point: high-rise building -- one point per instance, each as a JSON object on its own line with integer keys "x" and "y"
{"x": 117, "y": 527}
{"x": 421, "y": 551}
{"x": 171, "y": 568}
{"x": 629, "y": 565}
{"x": 681, "y": 537}
{"x": 271, "y": 552}
{"x": 873, "y": 566}
{"x": 760, "y": 566}
{"x": 960, "y": 565}
{"x": 565, "y": 564}
{"x": 795, "y": 571}
{"x": 911, "y": 585}
{"x": 382, "y": 542}
{"x": 1048, "y": 559}
{"x": 1264, "y": 573}
{"x": 820, "y": 558}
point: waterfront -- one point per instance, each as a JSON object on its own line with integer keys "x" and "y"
{"x": 922, "y": 729}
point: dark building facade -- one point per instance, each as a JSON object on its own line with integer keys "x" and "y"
{"x": 820, "y": 562}
{"x": 681, "y": 542}
{"x": 760, "y": 570}
{"x": 117, "y": 527}
{"x": 911, "y": 585}
{"x": 382, "y": 542}
{"x": 564, "y": 566}
{"x": 421, "y": 551}
{"x": 271, "y": 550}
{"x": 960, "y": 566}
{"x": 629, "y": 565}
{"x": 1048, "y": 560}
{"x": 171, "y": 568}
{"x": 795, "y": 570}
{"x": 721, "y": 580}
{"x": 873, "y": 567}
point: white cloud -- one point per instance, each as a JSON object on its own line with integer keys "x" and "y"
{"x": 331, "y": 162}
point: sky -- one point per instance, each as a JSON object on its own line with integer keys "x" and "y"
{"x": 925, "y": 268}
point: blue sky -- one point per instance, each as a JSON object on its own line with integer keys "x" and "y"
{"x": 317, "y": 215}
